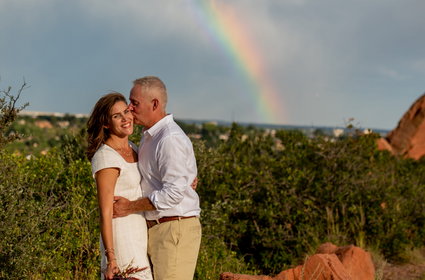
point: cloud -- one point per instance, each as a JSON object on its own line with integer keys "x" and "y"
{"x": 324, "y": 57}
{"x": 154, "y": 19}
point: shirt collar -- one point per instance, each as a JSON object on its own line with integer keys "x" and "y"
{"x": 158, "y": 125}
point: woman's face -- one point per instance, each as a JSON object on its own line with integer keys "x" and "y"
{"x": 120, "y": 120}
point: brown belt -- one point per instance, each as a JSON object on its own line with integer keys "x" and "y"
{"x": 152, "y": 223}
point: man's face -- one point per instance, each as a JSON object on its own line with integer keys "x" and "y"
{"x": 141, "y": 106}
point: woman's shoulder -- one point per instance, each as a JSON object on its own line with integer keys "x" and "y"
{"x": 104, "y": 151}
{"x": 105, "y": 157}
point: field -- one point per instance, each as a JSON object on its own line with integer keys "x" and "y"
{"x": 269, "y": 198}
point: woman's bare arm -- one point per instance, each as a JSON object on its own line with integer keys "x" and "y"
{"x": 105, "y": 182}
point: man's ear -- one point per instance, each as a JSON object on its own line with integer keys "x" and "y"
{"x": 155, "y": 103}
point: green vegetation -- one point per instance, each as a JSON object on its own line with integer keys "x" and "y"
{"x": 268, "y": 199}
{"x": 8, "y": 113}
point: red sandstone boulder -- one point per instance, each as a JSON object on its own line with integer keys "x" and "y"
{"x": 232, "y": 276}
{"x": 330, "y": 262}
{"x": 318, "y": 266}
{"x": 357, "y": 262}
{"x": 327, "y": 248}
{"x": 408, "y": 138}
{"x": 383, "y": 145}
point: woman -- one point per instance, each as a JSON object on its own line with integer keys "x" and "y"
{"x": 114, "y": 167}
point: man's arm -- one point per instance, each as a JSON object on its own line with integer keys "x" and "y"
{"x": 175, "y": 168}
{"x": 124, "y": 207}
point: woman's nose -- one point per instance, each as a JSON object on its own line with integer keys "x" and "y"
{"x": 126, "y": 117}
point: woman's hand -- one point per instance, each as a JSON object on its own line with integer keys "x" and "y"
{"x": 194, "y": 183}
{"x": 111, "y": 270}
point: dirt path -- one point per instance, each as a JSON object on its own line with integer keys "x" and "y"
{"x": 404, "y": 272}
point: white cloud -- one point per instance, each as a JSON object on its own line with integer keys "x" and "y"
{"x": 156, "y": 19}
{"x": 315, "y": 52}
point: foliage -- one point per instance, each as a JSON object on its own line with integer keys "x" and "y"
{"x": 279, "y": 197}
{"x": 49, "y": 218}
{"x": 41, "y": 134}
{"x": 267, "y": 199}
{"x": 8, "y": 113}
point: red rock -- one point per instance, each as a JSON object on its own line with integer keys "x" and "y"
{"x": 318, "y": 267}
{"x": 383, "y": 145}
{"x": 232, "y": 276}
{"x": 331, "y": 262}
{"x": 290, "y": 274}
{"x": 408, "y": 138}
{"x": 327, "y": 248}
{"x": 357, "y": 262}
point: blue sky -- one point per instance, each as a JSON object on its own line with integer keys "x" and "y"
{"x": 329, "y": 60}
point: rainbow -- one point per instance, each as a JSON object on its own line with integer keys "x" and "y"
{"x": 227, "y": 32}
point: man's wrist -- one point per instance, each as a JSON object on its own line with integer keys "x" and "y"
{"x": 143, "y": 204}
{"x": 132, "y": 207}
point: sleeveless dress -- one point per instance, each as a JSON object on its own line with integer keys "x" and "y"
{"x": 130, "y": 232}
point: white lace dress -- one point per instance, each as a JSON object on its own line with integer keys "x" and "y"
{"x": 130, "y": 232}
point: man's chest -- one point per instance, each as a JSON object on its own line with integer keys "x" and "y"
{"x": 148, "y": 158}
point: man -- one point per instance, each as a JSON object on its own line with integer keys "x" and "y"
{"x": 168, "y": 167}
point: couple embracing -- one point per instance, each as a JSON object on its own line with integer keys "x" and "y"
{"x": 149, "y": 210}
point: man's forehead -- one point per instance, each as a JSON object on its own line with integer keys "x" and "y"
{"x": 137, "y": 92}
{"x": 135, "y": 95}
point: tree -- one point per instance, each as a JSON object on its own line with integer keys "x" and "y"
{"x": 9, "y": 112}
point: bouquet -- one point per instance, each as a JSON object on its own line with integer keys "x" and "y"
{"x": 127, "y": 271}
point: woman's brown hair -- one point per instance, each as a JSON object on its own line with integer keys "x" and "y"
{"x": 97, "y": 134}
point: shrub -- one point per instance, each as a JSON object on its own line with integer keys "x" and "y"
{"x": 8, "y": 113}
{"x": 281, "y": 197}
{"x": 267, "y": 201}
{"x": 49, "y": 218}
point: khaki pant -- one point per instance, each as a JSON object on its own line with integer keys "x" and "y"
{"x": 173, "y": 249}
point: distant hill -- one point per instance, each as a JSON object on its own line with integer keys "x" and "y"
{"x": 51, "y": 114}
{"x": 307, "y": 129}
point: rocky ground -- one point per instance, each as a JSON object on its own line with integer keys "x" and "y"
{"x": 403, "y": 272}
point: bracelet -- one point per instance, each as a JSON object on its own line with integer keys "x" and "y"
{"x": 110, "y": 250}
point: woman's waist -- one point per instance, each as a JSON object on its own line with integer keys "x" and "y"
{"x": 130, "y": 194}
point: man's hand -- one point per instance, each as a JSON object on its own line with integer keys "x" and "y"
{"x": 122, "y": 207}
{"x": 194, "y": 183}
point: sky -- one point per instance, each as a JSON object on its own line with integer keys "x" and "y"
{"x": 286, "y": 62}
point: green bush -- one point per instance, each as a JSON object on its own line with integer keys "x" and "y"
{"x": 49, "y": 218}
{"x": 267, "y": 200}
{"x": 280, "y": 197}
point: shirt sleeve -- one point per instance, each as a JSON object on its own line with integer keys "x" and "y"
{"x": 176, "y": 170}
{"x": 104, "y": 159}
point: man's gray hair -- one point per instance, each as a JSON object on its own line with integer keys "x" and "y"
{"x": 150, "y": 82}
